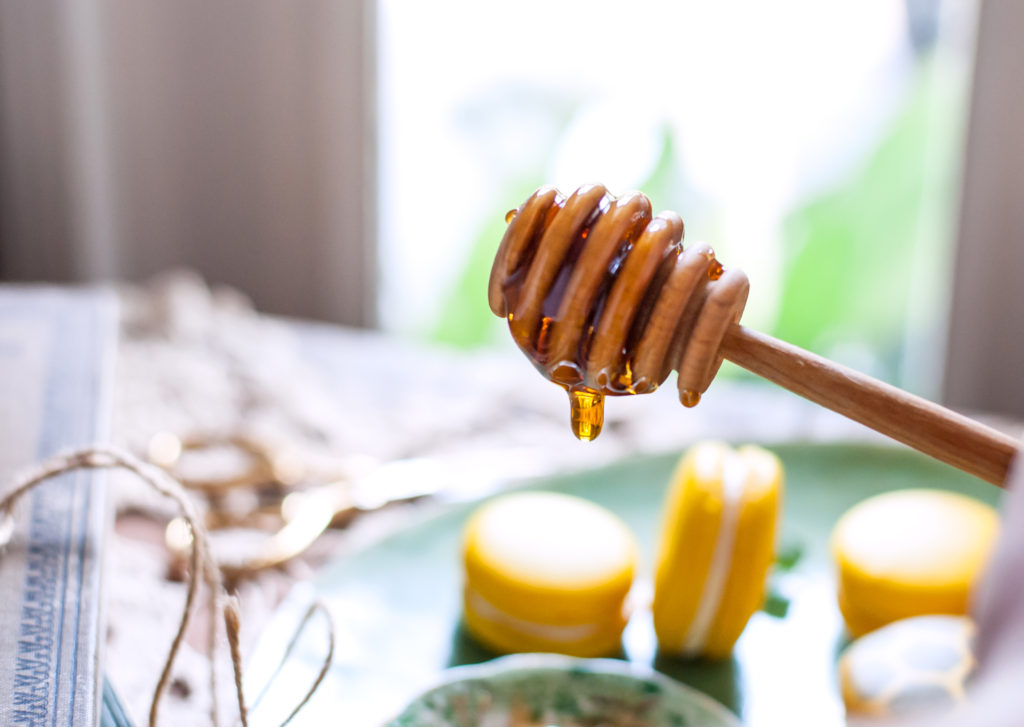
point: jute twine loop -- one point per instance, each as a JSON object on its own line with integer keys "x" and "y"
{"x": 202, "y": 566}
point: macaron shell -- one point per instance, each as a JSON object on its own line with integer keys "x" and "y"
{"x": 692, "y": 517}
{"x": 910, "y": 553}
{"x": 549, "y": 558}
{"x": 691, "y": 536}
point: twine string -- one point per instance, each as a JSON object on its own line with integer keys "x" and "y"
{"x": 313, "y": 608}
{"x": 202, "y": 567}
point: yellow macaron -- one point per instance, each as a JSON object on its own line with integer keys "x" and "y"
{"x": 717, "y": 544}
{"x": 909, "y": 665}
{"x": 910, "y": 553}
{"x": 547, "y": 572}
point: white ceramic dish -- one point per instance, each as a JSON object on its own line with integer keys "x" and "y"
{"x": 542, "y": 690}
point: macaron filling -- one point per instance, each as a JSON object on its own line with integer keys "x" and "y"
{"x": 554, "y": 633}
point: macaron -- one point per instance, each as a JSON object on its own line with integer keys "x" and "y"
{"x": 717, "y": 544}
{"x": 910, "y": 553}
{"x": 909, "y": 665}
{"x": 547, "y": 572}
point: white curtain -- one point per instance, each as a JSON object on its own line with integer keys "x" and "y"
{"x": 235, "y": 137}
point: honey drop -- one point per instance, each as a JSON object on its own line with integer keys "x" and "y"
{"x": 586, "y": 413}
{"x": 689, "y": 398}
{"x": 566, "y": 322}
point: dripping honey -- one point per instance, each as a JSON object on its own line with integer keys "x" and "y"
{"x": 586, "y": 413}
{"x": 586, "y": 388}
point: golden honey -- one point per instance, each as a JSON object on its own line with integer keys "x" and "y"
{"x": 586, "y": 413}
{"x": 604, "y": 300}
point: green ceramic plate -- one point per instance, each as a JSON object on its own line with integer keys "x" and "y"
{"x": 397, "y": 604}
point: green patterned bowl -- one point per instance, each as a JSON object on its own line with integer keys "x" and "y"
{"x": 547, "y": 690}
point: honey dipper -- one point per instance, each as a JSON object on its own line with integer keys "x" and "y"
{"x": 604, "y": 300}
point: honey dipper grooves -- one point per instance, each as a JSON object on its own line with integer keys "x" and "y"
{"x": 604, "y": 299}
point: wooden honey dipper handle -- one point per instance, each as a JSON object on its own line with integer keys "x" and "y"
{"x": 603, "y": 298}
{"x": 927, "y": 427}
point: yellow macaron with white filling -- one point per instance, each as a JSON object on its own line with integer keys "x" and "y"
{"x": 717, "y": 544}
{"x": 547, "y": 572}
{"x": 910, "y": 553}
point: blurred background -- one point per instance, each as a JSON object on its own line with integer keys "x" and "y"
{"x": 352, "y": 160}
